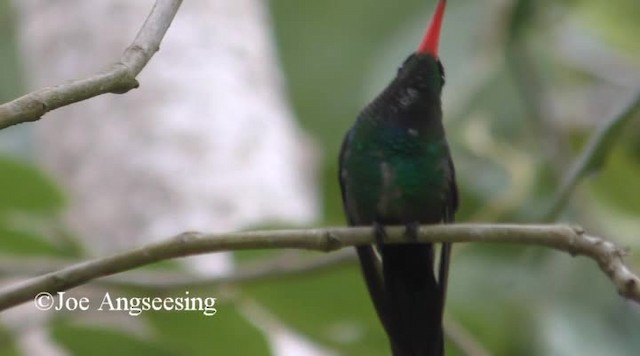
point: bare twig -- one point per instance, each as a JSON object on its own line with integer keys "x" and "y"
{"x": 279, "y": 267}
{"x": 561, "y": 237}
{"x": 594, "y": 155}
{"x": 463, "y": 339}
{"x": 282, "y": 265}
{"x": 120, "y": 78}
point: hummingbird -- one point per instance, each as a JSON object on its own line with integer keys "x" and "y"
{"x": 396, "y": 169}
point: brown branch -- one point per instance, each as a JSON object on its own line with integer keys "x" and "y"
{"x": 286, "y": 265}
{"x": 283, "y": 265}
{"x": 119, "y": 79}
{"x": 561, "y": 237}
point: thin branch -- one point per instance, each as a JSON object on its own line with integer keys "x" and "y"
{"x": 119, "y": 79}
{"x": 284, "y": 265}
{"x": 279, "y": 267}
{"x": 463, "y": 339}
{"x": 594, "y": 155}
{"x": 561, "y": 237}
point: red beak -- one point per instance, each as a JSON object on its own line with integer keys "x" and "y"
{"x": 431, "y": 39}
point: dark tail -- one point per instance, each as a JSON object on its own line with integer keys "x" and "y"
{"x": 414, "y": 299}
{"x": 372, "y": 273}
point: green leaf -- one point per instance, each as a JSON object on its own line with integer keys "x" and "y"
{"x": 616, "y": 22}
{"x": 7, "y": 342}
{"x": 619, "y": 182}
{"x": 604, "y": 139}
{"x": 92, "y": 340}
{"x": 332, "y": 308}
{"x": 595, "y": 154}
{"x": 23, "y": 187}
{"x": 24, "y": 243}
{"x": 191, "y": 333}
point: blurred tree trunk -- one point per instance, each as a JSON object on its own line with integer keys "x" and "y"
{"x": 208, "y": 141}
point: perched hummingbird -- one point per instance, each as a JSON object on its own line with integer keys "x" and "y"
{"x": 395, "y": 169}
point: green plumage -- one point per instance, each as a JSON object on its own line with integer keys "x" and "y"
{"x": 395, "y": 169}
{"x": 396, "y": 176}
{"x": 395, "y": 163}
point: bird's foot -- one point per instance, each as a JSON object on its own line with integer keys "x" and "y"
{"x": 411, "y": 230}
{"x": 380, "y": 234}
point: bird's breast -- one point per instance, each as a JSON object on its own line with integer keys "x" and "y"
{"x": 397, "y": 179}
{"x": 411, "y": 189}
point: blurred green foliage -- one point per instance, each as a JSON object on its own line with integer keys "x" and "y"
{"x": 528, "y": 82}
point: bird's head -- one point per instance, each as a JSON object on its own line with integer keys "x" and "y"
{"x": 423, "y": 69}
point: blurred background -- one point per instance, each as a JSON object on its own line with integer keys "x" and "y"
{"x": 529, "y": 83}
